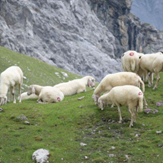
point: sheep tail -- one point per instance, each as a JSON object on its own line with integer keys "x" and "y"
{"x": 133, "y": 66}
{"x": 142, "y": 83}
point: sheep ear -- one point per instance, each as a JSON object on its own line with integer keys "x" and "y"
{"x": 139, "y": 57}
{"x": 33, "y": 90}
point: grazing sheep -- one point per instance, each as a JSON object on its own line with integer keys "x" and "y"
{"x": 128, "y": 95}
{"x": 76, "y": 86}
{"x": 9, "y": 78}
{"x": 130, "y": 61}
{"x": 152, "y": 63}
{"x": 117, "y": 79}
{"x": 50, "y": 95}
{"x": 34, "y": 89}
{"x": 25, "y": 96}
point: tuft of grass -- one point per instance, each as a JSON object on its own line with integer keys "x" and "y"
{"x": 61, "y": 127}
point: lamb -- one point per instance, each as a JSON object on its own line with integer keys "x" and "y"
{"x": 9, "y": 78}
{"x": 50, "y": 95}
{"x": 128, "y": 95}
{"x": 152, "y": 63}
{"x": 76, "y": 85}
{"x": 25, "y": 96}
{"x": 34, "y": 89}
{"x": 117, "y": 79}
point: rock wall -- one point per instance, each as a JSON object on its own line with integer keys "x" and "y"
{"x": 129, "y": 32}
{"x": 86, "y": 37}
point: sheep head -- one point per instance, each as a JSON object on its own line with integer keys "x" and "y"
{"x": 95, "y": 97}
{"x": 91, "y": 82}
{"x": 100, "y": 104}
{"x": 31, "y": 90}
{"x": 3, "y": 100}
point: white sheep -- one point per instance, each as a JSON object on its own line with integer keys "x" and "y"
{"x": 34, "y": 89}
{"x": 152, "y": 63}
{"x": 9, "y": 78}
{"x": 130, "y": 61}
{"x": 50, "y": 95}
{"x": 76, "y": 85}
{"x": 25, "y": 96}
{"x": 128, "y": 95}
{"x": 117, "y": 79}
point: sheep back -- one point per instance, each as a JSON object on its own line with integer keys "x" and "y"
{"x": 51, "y": 95}
{"x": 118, "y": 79}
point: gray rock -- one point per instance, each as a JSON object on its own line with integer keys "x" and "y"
{"x": 22, "y": 117}
{"x": 85, "y": 37}
{"x": 41, "y": 155}
{"x": 66, "y": 34}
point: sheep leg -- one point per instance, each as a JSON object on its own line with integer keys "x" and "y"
{"x": 149, "y": 80}
{"x": 132, "y": 117}
{"x": 120, "y": 115}
{"x": 11, "y": 89}
{"x": 145, "y": 102}
{"x": 157, "y": 80}
{"x": 151, "y": 77}
{"x": 81, "y": 90}
{"x": 14, "y": 99}
{"x": 20, "y": 93}
{"x": 12, "y": 94}
{"x": 136, "y": 111}
{"x": 145, "y": 76}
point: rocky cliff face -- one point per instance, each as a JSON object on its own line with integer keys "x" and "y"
{"x": 67, "y": 34}
{"x": 150, "y": 11}
{"x": 128, "y": 31}
{"x": 84, "y": 37}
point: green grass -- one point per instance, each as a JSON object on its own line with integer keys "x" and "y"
{"x": 35, "y": 70}
{"x": 61, "y": 127}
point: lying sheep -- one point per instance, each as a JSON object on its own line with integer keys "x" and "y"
{"x": 128, "y": 95}
{"x": 76, "y": 86}
{"x": 34, "y": 89}
{"x": 117, "y": 79}
{"x": 9, "y": 78}
{"x": 152, "y": 63}
{"x": 50, "y": 95}
{"x": 25, "y": 96}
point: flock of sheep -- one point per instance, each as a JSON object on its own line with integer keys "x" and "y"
{"x": 118, "y": 89}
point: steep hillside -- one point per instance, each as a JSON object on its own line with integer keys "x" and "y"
{"x": 76, "y": 131}
{"x": 149, "y": 12}
{"x": 36, "y": 71}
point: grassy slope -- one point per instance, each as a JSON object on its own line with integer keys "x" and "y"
{"x": 61, "y": 127}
